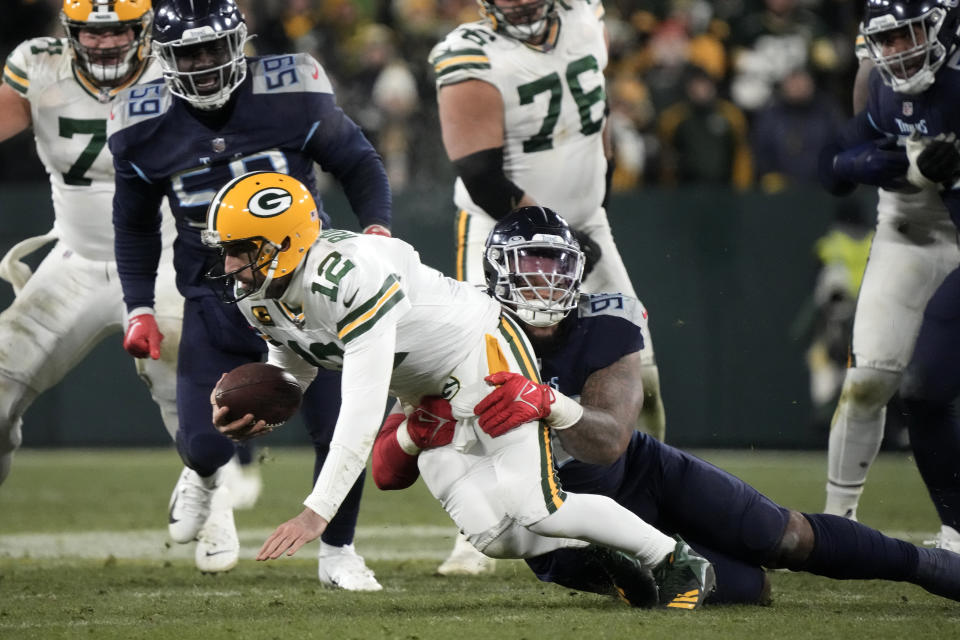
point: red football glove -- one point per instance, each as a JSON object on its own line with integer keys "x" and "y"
{"x": 515, "y": 401}
{"x": 432, "y": 423}
{"x": 143, "y": 337}
{"x": 378, "y": 230}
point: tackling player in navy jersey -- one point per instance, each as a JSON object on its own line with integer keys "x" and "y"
{"x": 906, "y": 139}
{"x": 217, "y": 115}
{"x": 591, "y": 355}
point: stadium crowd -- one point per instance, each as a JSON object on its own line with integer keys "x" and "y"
{"x": 736, "y": 92}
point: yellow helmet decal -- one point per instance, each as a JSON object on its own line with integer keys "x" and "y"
{"x": 267, "y": 206}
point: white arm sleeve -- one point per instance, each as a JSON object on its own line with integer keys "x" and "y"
{"x": 364, "y": 389}
{"x": 293, "y": 364}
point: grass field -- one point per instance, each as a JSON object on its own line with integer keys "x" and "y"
{"x": 84, "y": 553}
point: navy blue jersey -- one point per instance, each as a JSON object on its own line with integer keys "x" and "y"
{"x": 603, "y": 328}
{"x": 894, "y": 115}
{"x": 282, "y": 118}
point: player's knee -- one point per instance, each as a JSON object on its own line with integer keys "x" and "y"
{"x": 919, "y": 390}
{"x": 795, "y": 544}
{"x": 867, "y": 390}
{"x": 15, "y": 397}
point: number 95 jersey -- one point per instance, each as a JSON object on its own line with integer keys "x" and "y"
{"x": 70, "y": 128}
{"x": 554, "y": 103}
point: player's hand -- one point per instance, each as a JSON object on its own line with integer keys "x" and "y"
{"x": 143, "y": 337}
{"x": 378, "y": 230}
{"x": 939, "y": 161}
{"x": 878, "y": 164}
{"x": 432, "y": 423}
{"x": 293, "y": 534}
{"x": 516, "y": 400}
{"x": 591, "y": 251}
{"x": 237, "y": 430}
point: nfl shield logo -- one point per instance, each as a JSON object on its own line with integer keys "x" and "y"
{"x": 908, "y": 108}
{"x": 219, "y": 144}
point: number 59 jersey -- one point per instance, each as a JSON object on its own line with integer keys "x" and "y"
{"x": 70, "y": 128}
{"x": 554, "y": 103}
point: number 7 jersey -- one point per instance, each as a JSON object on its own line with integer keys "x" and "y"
{"x": 70, "y": 127}
{"x": 554, "y": 103}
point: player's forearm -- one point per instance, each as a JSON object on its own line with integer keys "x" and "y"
{"x": 392, "y": 467}
{"x": 364, "y": 388}
{"x": 598, "y": 438}
{"x": 137, "y": 241}
{"x": 611, "y": 399}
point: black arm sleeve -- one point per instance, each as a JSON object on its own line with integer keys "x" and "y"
{"x": 482, "y": 175}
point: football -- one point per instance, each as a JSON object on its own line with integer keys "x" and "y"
{"x": 268, "y": 392}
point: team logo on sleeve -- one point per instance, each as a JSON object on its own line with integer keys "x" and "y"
{"x": 262, "y": 316}
{"x": 269, "y": 202}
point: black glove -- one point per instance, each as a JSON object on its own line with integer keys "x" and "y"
{"x": 591, "y": 251}
{"x": 939, "y": 161}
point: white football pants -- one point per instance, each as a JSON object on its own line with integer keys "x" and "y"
{"x": 61, "y": 313}
{"x": 914, "y": 249}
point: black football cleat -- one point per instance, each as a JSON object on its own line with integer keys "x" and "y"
{"x": 684, "y": 578}
{"x": 633, "y": 583}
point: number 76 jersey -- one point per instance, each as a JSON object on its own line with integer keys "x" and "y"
{"x": 69, "y": 117}
{"x": 553, "y": 102}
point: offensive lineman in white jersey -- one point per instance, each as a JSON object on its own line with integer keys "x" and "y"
{"x": 368, "y": 307}
{"x": 63, "y": 88}
{"x": 522, "y": 99}
{"x": 914, "y": 248}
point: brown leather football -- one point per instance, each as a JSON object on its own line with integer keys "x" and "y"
{"x": 268, "y": 392}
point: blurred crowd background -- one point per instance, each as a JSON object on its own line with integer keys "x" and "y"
{"x": 733, "y": 97}
{"x": 729, "y": 92}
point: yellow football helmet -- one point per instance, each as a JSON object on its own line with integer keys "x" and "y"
{"x": 113, "y": 66}
{"x": 272, "y": 212}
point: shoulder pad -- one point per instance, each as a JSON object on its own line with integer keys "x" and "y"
{"x": 612, "y": 304}
{"x": 289, "y": 73}
{"x": 463, "y": 54}
{"x": 28, "y": 62}
{"x": 138, "y": 104}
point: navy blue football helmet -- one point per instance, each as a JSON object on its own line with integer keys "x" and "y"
{"x": 533, "y": 265}
{"x": 909, "y": 40}
{"x": 199, "y": 44}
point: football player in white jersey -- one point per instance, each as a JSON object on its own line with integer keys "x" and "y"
{"x": 914, "y": 248}
{"x": 63, "y": 88}
{"x": 368, "y": 307}
{"x": 522, "y": 101}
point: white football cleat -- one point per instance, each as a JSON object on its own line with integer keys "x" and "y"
{"x": 189, "y": 505}
{"x": 948, "y": 538}
{"x": 465, "y": 560}
{"x": 218, "y": 547}
{"x": 342, "y": 568}
{"x": 244, "y": 481}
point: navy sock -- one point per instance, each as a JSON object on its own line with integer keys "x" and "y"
{"x": 935, "y": 439}
{"x": 245, "y": 453}
{"x": 847, "y": 550}
{"x": 938, "y": 571}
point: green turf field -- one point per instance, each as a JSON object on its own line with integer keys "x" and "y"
{"x": 83, "y": 554}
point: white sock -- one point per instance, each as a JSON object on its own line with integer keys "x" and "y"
{"x": 855, "y": 436}
{"x": 600, "y": 520}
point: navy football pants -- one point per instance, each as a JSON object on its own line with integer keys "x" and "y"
{"x": 215, "y": 339}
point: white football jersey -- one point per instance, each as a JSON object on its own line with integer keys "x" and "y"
{"x": 554, "y": 105}
{"x": 70, "y": 128}
{"x": 353, "y": 286}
